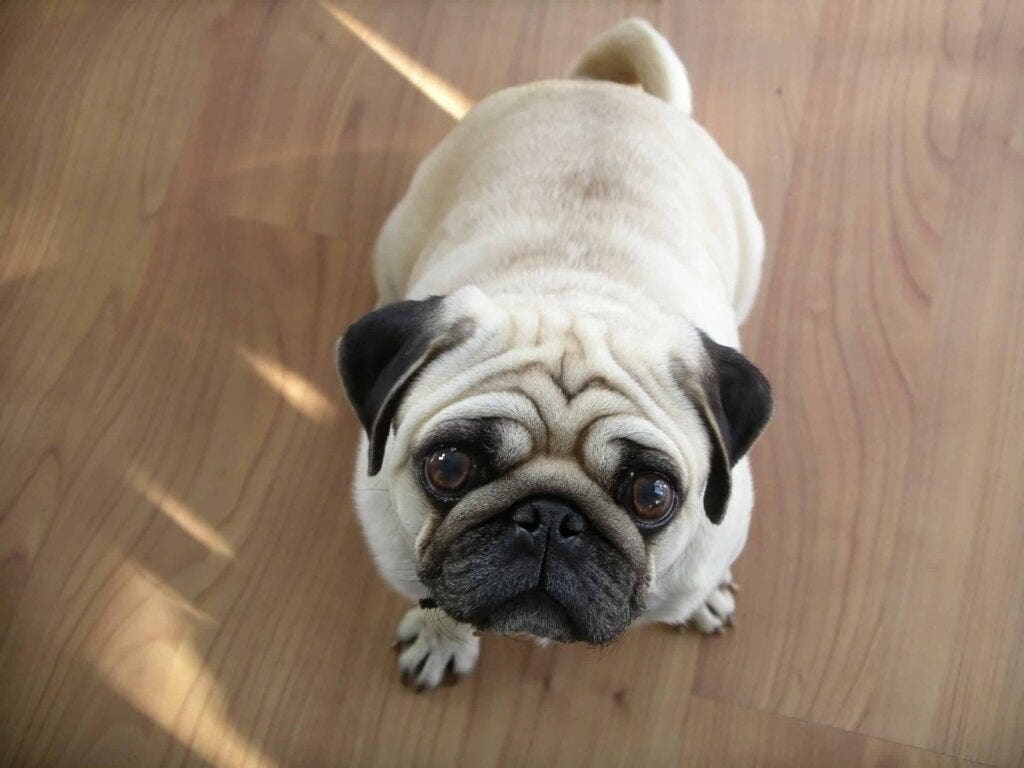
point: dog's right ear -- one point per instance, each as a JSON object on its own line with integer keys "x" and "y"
{"x": 379, "y": 356}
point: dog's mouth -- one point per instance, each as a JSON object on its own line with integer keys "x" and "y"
{"x": 588, "y": 593}
{"x": 534, "y": 612}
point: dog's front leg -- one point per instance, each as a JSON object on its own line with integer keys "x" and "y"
{"x": 715, "y": 612}
{"x": 708, "y": 609}
{"x": 434, "y": 646}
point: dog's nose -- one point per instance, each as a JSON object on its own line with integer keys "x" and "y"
{"x": 544, "y": 517}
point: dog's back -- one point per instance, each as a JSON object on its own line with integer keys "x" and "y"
{"x": 589, "y": 174}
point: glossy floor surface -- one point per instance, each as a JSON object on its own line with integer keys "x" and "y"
{"x": 189, "y": 192}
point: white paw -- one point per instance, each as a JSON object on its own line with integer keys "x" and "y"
{"x": 434, "y": 648}
{"x": 716, "y": 613}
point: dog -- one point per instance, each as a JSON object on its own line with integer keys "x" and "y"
{"x": 556, "y": 410}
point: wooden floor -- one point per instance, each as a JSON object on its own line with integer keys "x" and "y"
{"x": 188, "y": 195}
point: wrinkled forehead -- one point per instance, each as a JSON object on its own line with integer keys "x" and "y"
{"x": 546, "y": 381}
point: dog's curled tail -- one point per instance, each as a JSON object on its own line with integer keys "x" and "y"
{"x": 634, "y": 52}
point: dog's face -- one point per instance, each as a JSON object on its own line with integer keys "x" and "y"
{"x": 547, "y": 460}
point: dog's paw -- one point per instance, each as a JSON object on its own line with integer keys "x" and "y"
{"x": 434, "y": 648}
{"x": 717, "y": 611}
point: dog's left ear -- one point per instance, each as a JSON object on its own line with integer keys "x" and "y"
{"x": 380, "y": 355}
{"x": 734, "y": 400}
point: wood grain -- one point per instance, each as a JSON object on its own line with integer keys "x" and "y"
{"x": 188, "y": 195}
{"x": 723, "y": 734}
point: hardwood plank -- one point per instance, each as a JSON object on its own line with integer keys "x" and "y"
{"x": 963, "y": 612}
{"x": 541, "y": 706}
{"x": 722, "y": 734}
{"x": 887, "y": 754}
{"x": 750, "y": 64}
{"x": 873, "y": 334}
{"x": 727, "y": 735}
{"x": 173, "y": 538}
{"x": 306, "y": 126}
{"x": 90, "y": 141}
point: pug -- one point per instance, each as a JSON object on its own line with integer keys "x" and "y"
{"x": 557, "y": 414}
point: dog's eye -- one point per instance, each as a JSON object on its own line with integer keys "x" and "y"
{"x": 449, "y": 470}
{"x": 650, "y": 496}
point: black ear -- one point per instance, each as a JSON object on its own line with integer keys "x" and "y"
{"x": 379, "y": 356}
{"x": 735, "y": 404}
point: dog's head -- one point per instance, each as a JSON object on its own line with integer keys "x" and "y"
{"x": 547, "y": 457}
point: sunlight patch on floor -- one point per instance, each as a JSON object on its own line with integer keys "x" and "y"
{"x": 298, "y": 391}
{"x": 430, "y": 84}
{"x": 145, "y": 579}
{"x": 166, "y": 678}
{"x": 185, "y": 518}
